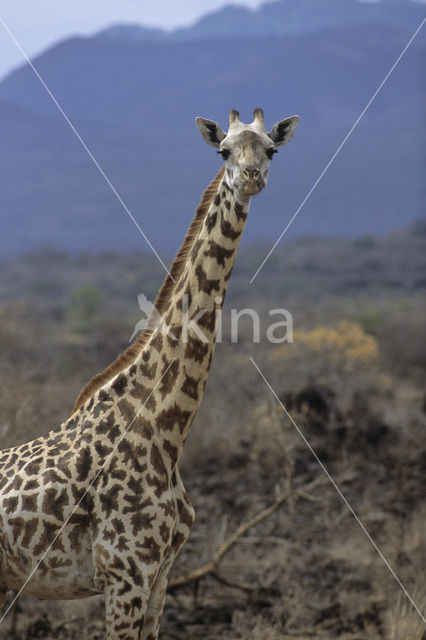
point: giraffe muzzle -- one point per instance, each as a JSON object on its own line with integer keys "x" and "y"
{"x": 253, "y": 182}
{"x": 251, "y": 174}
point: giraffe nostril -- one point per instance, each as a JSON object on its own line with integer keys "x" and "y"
{"x": 251, "y": 173}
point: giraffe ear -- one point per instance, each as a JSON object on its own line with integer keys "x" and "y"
{"x": 211, "y": 131}
{"x": 283, "y": 131}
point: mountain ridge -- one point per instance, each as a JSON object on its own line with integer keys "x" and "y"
{"x": 280, "y": 17}
{"x": 134, "y": 106}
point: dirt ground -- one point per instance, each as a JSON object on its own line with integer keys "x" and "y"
{"x": 351, "y": 382}
{"x": 308, "y": 570}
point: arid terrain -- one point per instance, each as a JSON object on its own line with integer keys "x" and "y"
{"x": 351, "y": 384}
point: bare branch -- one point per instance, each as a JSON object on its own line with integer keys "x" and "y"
{"x": 234, "y": 585}
{"x": 210, "y": 567}
{"x": 228, "y": 544}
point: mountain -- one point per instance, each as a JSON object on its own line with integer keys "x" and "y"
{"x": 134, "y": 104}
{"x": 281, "y": 17}
{"x": 325, "y": 76}
{"x": 132, "y": 32}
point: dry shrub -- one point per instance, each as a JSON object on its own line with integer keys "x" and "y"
{"x": 342, "y": 359}
{"x": 344, "y": 347}
{"x": 403, "y": 341}
{"x": 256, "y": 628}
{"x": 402, "y": 621}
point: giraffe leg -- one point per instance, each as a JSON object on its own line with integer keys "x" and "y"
{"x": 156, "y": 601}
{"x": 125, "y": 611}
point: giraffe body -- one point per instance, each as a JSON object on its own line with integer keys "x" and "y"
{"x": 110, "y": 471}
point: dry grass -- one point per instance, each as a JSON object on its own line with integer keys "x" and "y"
{"x": 312, "y": 571}
{"x": 402, "y": 621}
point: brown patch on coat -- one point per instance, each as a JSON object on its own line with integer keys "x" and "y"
{"x": 119, "y": 385}
{"x": 196, "y": 349}
{"x": 168, "y": 381}
{"x": 239, "y": 211}
{"x": 171, "y": 451}
{"x": 190, "y": 387}
{"x": 204, "y": 283}
{"x": 173, "y": 417}
{"x": 83, "y": 464}
{"x": 218, "y": 252}
{"x": 227, "y": 229}
{"x": 208, "y": 320}
{"x": 54, "y": 503}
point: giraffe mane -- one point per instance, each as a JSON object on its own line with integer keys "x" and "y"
{"x": 128, "y": 356}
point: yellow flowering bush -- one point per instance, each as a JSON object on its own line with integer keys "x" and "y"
{"x": 346, "y": 344}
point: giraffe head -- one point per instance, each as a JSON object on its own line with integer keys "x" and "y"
{"x": 247, "y": 149}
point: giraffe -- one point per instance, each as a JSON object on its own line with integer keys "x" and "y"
{"x": 97, "y": 505}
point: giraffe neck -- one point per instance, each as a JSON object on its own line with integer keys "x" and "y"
{"x": 169, "y": 375}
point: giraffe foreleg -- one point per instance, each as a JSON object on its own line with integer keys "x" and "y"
{"x": 125, "y": 611}
{"x": 159, "y": 588}
{"x": 156, "y": 601}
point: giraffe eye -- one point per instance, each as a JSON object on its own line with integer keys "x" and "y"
{"x": 225, "y": 153}
{"x": 270, "y": 152}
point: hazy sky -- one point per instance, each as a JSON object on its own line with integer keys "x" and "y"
{"x": 38, "y": 23}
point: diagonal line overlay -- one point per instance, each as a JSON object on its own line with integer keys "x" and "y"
{"x": 338, "y": 491}
{"x": 336, "y": 153}
{"x": 85, "y": 147}
{"x": 82, "y": 497}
